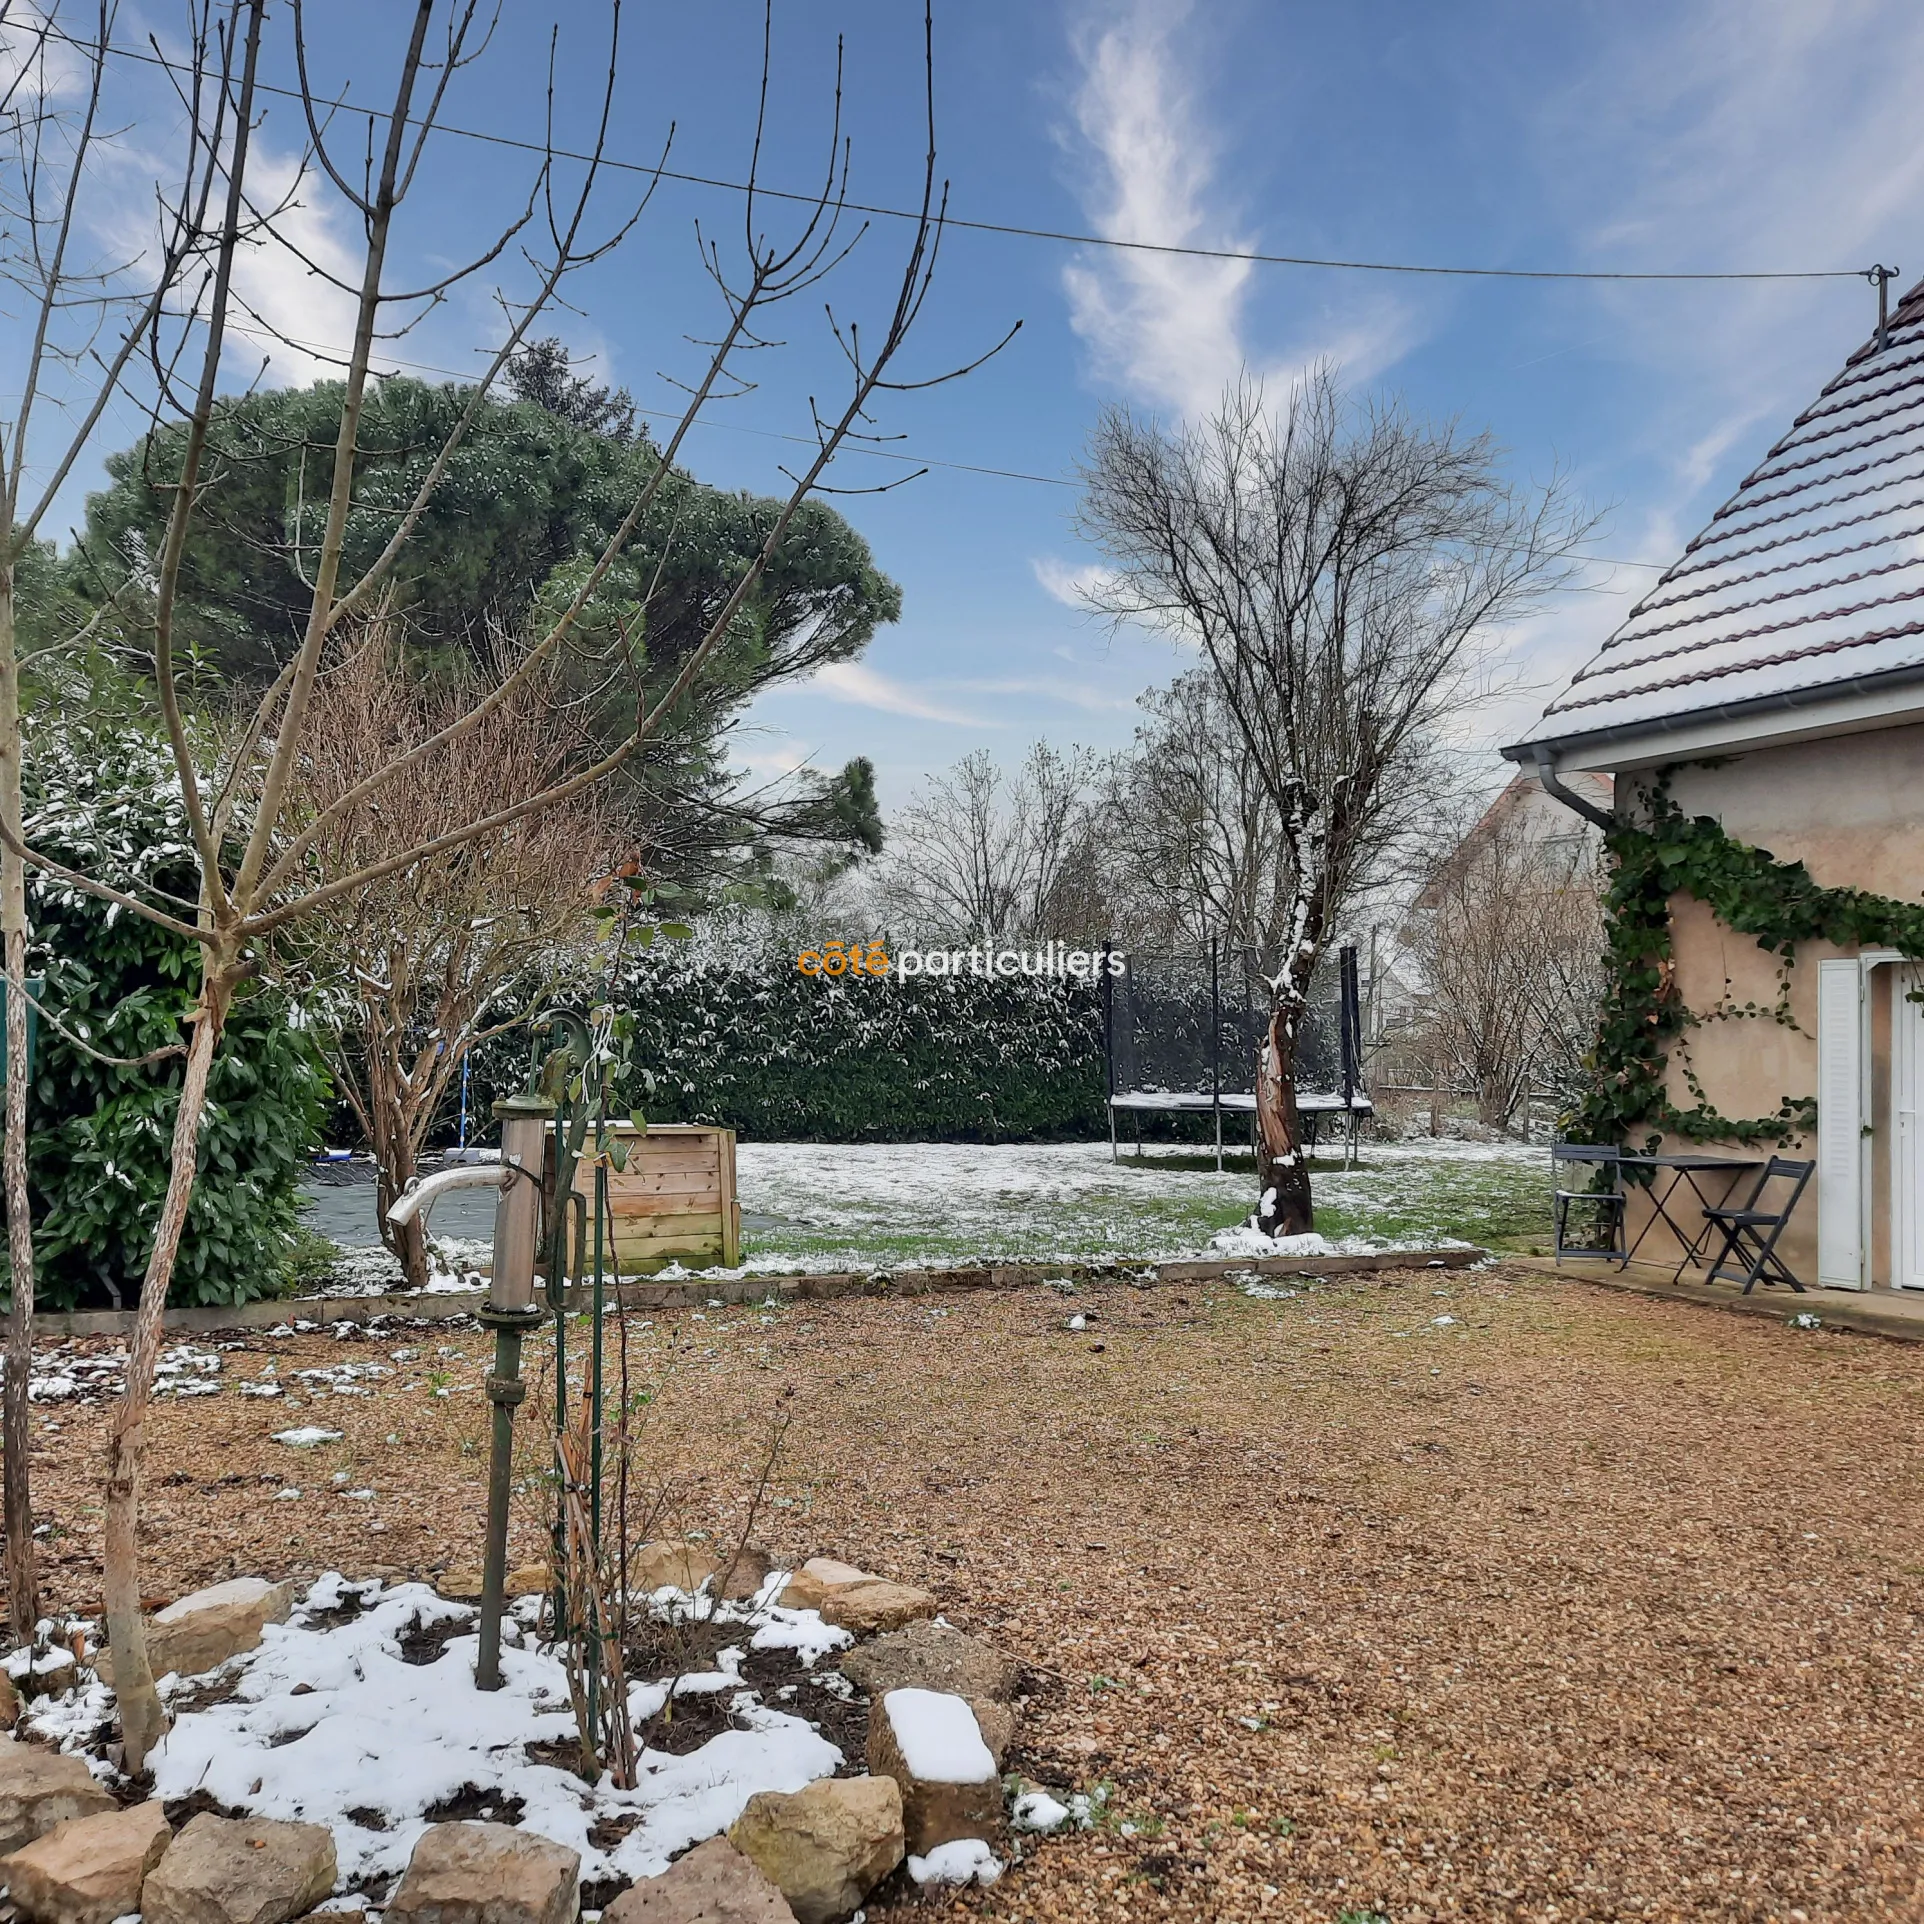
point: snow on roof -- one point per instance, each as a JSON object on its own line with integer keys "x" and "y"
{"x": 1811, "y": 574}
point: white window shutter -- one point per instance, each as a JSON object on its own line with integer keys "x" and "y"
{"x": 1840, "y": 1134}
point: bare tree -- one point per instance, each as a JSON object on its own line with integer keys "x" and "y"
{"x": 1337, "y": 564}
{"x": 982, "y": 853}
{"x": 261, "y": 865}
{"x": 1510, "y": 938}
{"x": 422, "y": 964}
{"x": 84, "y": 316}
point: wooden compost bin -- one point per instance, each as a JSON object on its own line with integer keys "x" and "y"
{"x": 675, "y": 1201}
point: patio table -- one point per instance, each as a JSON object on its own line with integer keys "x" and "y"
{"x": 1668, "y": 1175}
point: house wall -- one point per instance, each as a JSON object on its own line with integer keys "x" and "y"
{"x": 1852, "y": 810}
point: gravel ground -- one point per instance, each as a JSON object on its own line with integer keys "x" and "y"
{"x": 1473, "y": 1595}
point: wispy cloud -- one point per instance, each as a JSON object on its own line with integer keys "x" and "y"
{"x": 1074, "y": 694}
{"x": 864, "y": 687}
{"x": 1767, "y": 134}
{"x": 293, "y": 312}
{"x": 1167, "y": 328}
{"x": 1068, "y": 582}
{"x": 1160, "y": 324}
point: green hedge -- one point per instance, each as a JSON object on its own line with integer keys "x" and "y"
{"x": 757, "y": 1046}
{"x": 101, "y": 799}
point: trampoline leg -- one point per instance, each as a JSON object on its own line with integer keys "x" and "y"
{"x": 1113, "y": 1157}
{"x": 1219, "y": 1139}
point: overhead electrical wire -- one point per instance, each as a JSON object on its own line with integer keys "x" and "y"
{"x": 1016, "y": 230}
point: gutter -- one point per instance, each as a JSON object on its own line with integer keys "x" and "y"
{"x": 1544, "y": 755}
{"x": 1553, "y": 748}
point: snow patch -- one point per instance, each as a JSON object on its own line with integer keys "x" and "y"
{"x": 373, "y": 1736}
{"x": 938, "y": 1737}
{"x": 966, "y": 1860}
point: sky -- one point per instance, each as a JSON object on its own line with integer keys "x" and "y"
{"x": 1627, "y": 136}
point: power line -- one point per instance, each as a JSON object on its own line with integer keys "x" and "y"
{"x": 1017, "y": 231}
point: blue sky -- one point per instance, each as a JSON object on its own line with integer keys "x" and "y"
{"x": 1636, "y": 135}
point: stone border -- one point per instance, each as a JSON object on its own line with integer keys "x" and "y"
{"x": 698, "y": 1292}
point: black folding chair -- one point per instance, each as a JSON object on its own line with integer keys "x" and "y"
{"x": 1751, "y": 1231}
{"x": 1608, "y": 1203}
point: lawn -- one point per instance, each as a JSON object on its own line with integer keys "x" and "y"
{"x": 1480, "y": 1595}
{"x": 818, "y": 1205}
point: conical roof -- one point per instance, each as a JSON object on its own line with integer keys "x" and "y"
{"x": 1808, "y": 580}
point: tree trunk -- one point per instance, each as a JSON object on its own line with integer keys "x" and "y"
{"x": 23, "y": 1590}
{"x": 142, "y": 1720}
{"x": 1282, "y": 1170}
{"x": 395, "y": 1166}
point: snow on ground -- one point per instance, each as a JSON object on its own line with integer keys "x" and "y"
{"x": 834, "y": 1206}
{"x": 844, "y": 1205}
{"x": 355, "y": 1725}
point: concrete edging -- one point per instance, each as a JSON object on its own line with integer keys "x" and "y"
{"x": 698, "y": 1292}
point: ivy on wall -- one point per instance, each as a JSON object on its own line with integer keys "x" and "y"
{"x": 1665, "y": 853}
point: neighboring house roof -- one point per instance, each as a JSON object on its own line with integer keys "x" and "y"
{"x": 1525, "y": 805}
{"x": 1808, "y": 584}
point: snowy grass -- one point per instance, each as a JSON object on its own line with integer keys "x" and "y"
{"x": 887, "y": 1204}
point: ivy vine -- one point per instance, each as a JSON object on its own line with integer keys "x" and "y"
{"x": 1664, "y": 853}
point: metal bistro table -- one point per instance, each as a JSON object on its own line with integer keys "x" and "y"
{"x": 1683, "y": 1172}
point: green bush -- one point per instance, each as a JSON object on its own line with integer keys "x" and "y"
{"x": 753, "y": 1044}
{"x": 101, "y": 799}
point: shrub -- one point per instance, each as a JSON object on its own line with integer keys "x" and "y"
{"x": 101, "y": 798}
{"x": 748, "y": 1041}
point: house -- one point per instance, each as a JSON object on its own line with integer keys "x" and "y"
{"x": 1526, "y": 808}
{"x": 1762, "y": 711}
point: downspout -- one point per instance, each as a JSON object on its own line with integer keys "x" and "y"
{"x": 1546, "y": 766}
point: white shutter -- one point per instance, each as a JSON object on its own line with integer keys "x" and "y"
{"x": 1840, "y": 1133}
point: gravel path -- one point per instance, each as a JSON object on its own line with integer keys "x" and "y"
{"x": 1472, "y": 1596}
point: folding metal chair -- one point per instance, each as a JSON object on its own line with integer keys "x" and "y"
{"x": 1608, "y": 1203}
{"x": 1750, "y": 1232}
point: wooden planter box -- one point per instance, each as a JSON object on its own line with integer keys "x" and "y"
{"x": 675, "y": 1202}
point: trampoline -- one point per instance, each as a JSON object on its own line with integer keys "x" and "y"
{"x": 1181, "y": 1029}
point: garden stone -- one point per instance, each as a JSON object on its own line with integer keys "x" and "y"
{"x": 750, "y": 1572}
{"x": 531, "y": 1580}
{"x": 88, "y": 1870}
{"x": 931, "y": 1744}
{"x": 665, "y": 1564}
{"x": 931, "y": 1656}
{"x": 247, "y": 1870}
{"x": 997, "y": 1725}
{"x": 867, "y": 1607}
{"x": 486, "y": 1874}
{"x": 713, "y": 1884}
{"x": 9, "y": 1702}
{"x": 40, "y": 1788}
{"x": 811, "y": 1586}
{"x": 825, "y": 1848}
{"x": 200, "y": 1632}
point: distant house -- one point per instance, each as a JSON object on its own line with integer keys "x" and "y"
{"x": 1526, "y": 807}
{"x": 1768, "y": 695}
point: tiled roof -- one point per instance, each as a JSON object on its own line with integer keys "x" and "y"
{"x": 1811, "y": 574}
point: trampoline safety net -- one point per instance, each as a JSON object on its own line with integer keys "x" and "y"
{"x": 1188, "y": 1023}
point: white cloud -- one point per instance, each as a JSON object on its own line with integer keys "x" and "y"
{"x": 1067, "y": 583}
{"x": 1076, "y": 694}
{"x": 1159, "y": 323}
{"x": 1165, "y": 327}
{"x": 287, "y": 310}
{"x": 1743, "y": 134}
{"x": 852, "y": 682}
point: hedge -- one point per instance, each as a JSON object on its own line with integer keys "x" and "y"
{"x": 753, "y": 1044}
